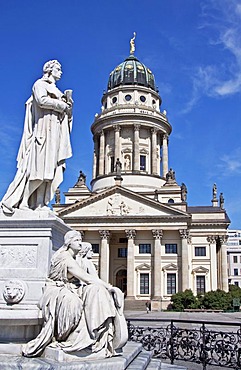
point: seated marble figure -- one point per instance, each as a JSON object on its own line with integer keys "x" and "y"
{"x": 81, "y": 312}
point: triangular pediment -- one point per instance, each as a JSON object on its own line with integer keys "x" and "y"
{"x": 142, "y": 267}
{"x": 200, "y": 269}
{"x": 170, "y": 267}
{"x": 120, "y": 202}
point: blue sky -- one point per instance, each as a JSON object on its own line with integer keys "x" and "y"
{"x": 192, "y": 47}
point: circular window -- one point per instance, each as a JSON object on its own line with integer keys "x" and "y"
{"x": 142, "y": 98}
{"x": 128, "y": 97}
{"x": 114, "y": 100}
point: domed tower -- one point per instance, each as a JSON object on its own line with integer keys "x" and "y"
{"x": 130, "y": 130}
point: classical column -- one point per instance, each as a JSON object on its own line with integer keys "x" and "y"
{"x": 184, "y": 234}
{"x": 213, "y": 262}
{"x": 157, "y": 283}
{"x": 102, "y": 153}
{"x": 224, "y": 264}
{"x": 104, "y": 255}
{"x": 153, "y": 151}
{"x": 136, "y": 147}
{"x": 117, "y": 142}
{"x": 164, "y": 155}
{"x": 130, "y": 234}
{"x": 94, "y": 172}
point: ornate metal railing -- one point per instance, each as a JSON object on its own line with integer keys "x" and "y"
{"x": 202, "y": 344}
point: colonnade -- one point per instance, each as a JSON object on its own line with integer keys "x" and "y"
{"x": 217, "y": 252}
{"x": 100, "y": 164}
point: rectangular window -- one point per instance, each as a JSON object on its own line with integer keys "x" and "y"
{"x": 239, "y": 242}
{"x": 235, "y": 259}
{"x": 235, "y": 272}
{"x": 144, "y": 248}
{"x": 144, "y": 283}
{"x": 142, "y": 162}
{"x": 171, "y": 283}
{"x": 236, "y": 283}
{"x": 122, "y": 252}
{"x": 96, "y": 248}
{"x": 112, "y": 164}
{"x": 200, "y": 280}
{"x": 171, "y": 248}
{"x": 200, "y": 251}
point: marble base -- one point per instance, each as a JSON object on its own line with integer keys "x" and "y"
{"x": 27, "y": 242}
{"x": 133, "y": 357}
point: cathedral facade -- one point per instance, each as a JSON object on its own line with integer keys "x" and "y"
{"x": 147, "y": 239}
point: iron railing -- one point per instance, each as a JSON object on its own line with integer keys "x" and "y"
{"x": 198, "y": 342}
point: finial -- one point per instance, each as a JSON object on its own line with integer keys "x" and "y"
{"x": 132, "y": 44}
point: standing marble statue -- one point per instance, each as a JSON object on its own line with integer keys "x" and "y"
{"x": 80, "y": 311}
{"x": 45, "y": 144}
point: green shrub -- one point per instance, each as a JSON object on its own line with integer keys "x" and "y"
{"x": 182, "y": 300}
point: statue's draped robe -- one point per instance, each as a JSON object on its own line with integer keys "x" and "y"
{"x": 78, "y": 317}
{"x": 44, "y": 147}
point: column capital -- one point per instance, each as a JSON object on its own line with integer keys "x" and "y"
{"x": 222, "y": 239}
{"x": 137, "y": 127}
{"x": 157, "y": 234}
{"x": 116, "y": 127}
{"x": 154, "y": 130}
{"x": 130, "y": 234}
{"x": 211, "y": 239}
{"x": 104, "y": 234}
{"x": 165, "y": 136}
{"x": 185, "y": 234}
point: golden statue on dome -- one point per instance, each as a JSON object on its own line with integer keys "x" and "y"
{"x": 132, "y": 44}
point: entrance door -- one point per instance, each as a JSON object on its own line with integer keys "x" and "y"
{"x": 121, "y": 280}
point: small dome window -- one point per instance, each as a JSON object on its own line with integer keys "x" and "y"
{"x": 170, "y": 200}
{"x": 128, "y": 97}
{"x": 105, "y": 105}
{"x": 153, "y": 102}
{"x": 142, "y": 98}
{"x": 114, "y": 100}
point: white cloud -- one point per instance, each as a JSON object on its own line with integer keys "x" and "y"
{"x": 219, "y": 79}
{"x": 230, "y": 164}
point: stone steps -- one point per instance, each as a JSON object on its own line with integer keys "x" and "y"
{"x": 134, "y": 305}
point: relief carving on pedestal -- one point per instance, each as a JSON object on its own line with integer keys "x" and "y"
{"x": 12, "y": 256}
{"x": 13, "y": 291}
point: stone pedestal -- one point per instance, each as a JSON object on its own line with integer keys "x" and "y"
{"x": 27, "y": 242}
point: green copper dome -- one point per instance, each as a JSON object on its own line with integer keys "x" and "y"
{"x": 132, "y": 72}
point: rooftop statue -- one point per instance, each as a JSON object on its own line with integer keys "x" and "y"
{"x": 80, "y": 311}
{"x": 132, "y": 44}
{"x": 45, "y": 144}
